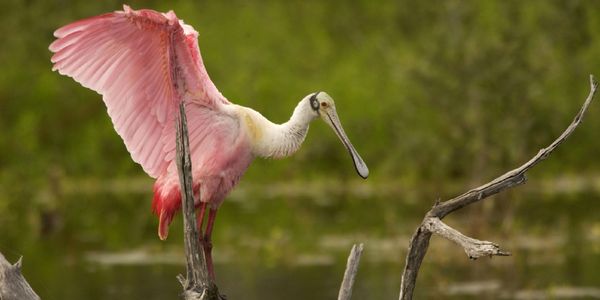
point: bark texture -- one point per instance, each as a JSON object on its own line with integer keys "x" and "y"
{"x": 197, "y": 285}
{"x": 13, "y": 285}
{"x": 350, "y": 273}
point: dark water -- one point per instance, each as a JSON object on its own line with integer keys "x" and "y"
{"x": 296, "y": 248}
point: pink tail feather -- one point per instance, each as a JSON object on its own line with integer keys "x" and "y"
{"x": 166, "y": 202}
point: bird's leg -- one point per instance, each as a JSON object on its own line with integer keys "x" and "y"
{"x": 199, "y": 224}
{"x": 212, "y": 213}
{"x": 200, "y": 219}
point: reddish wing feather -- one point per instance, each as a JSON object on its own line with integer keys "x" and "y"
{"x": 143, "y": 63}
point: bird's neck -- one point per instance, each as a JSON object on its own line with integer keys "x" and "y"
{"x": 272, "y": 140}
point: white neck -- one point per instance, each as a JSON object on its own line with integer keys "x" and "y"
{"x": 279, "y": 140}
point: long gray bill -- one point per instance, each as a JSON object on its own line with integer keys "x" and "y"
{"x": 359, "y": 164}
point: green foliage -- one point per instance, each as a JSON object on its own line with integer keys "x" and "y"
{"x": 429, "y": 92}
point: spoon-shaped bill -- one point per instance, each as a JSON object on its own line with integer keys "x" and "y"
{"x": 330, "y": 117}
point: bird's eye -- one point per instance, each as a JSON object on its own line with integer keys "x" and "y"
{"x": 324, "y": 104}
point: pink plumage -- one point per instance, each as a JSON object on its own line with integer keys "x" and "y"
{"x": 144, "y": 63}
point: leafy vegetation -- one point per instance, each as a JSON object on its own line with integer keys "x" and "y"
{"x": 431, "y": 93}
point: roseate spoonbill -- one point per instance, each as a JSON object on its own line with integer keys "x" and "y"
{"x": 144, "y": 63}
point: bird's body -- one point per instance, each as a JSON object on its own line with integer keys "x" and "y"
{"x": 243, "y": 134}
{"x": 144, "y": 63}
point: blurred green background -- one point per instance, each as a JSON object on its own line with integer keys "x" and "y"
{"x": 437, "y": 96}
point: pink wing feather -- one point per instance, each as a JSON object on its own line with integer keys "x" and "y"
{"x": 143, "y": 63}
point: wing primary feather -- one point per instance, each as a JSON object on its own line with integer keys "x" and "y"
{"x": 143, "y": 63}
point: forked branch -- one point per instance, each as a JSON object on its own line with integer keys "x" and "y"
{"x": 474, "y": 248}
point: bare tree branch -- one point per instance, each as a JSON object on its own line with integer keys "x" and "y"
{"x": 474, "y": 248}
{"x": 350, "y": 273}
{"x": 516, "y": 176}
{"x": 197, "y": 285}
{"x": 13, "y": 285}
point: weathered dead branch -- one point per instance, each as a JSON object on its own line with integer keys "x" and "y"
{"x": 350, "y": 273}
{"x": 197, "y": 284}
{"x": 13, "y": 285}
{"x": 474, "y": 248}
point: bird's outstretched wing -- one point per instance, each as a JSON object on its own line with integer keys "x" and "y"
{"x": 143, "y": 63}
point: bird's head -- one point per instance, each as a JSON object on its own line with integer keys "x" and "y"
{"x": 322, "y": 105}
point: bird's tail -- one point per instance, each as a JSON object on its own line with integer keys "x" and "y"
{"x": 166, "y": 202}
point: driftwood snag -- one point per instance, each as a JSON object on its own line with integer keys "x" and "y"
{"x": 345, "y": 292}
{"x": 197, "y": 285}
{"x": 432, "y": 223}
{"x": 13, "y": 285}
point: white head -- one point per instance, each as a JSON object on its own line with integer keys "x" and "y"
{"x": 322, "y": 105}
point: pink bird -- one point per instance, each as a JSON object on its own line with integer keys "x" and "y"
{"x": 144, "y": 63}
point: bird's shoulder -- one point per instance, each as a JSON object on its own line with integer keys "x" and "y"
{"x": 252, "y": 123}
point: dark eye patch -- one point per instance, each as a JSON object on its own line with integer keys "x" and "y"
{"x": 314, "y": 103}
